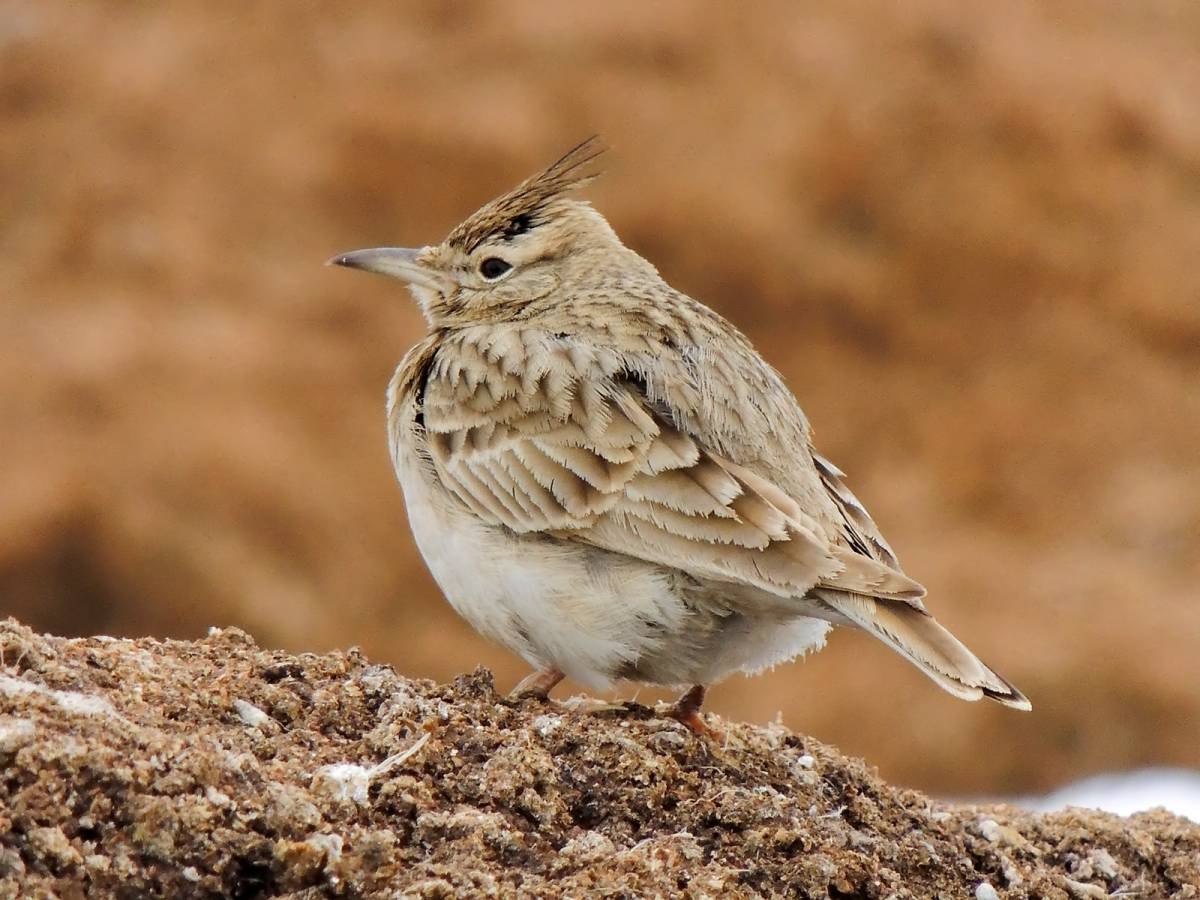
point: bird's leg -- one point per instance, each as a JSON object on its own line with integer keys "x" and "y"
{"x": 537, "y": 684}
{"x": 687, "y": 710}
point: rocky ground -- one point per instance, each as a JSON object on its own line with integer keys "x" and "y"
{"x": 215, "y": 768}
{"x": 963, "y": 230}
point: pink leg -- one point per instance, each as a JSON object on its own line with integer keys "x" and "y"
{"x": 687, "y": 710}
{"x": 537, "y": 684}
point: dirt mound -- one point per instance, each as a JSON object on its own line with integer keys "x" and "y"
{"x": 215, "y": 768}
{"x": 964, "y": 230}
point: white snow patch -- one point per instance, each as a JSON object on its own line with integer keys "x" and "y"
{"x": 15, "y": 734}
{"x": 1126, "y": 793}
{"x": 69, "y": 701}
{"x": 83, "y": 704}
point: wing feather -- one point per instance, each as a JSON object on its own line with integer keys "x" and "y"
{"x": 861, "y": 530}
{"x": 537, "y": 433}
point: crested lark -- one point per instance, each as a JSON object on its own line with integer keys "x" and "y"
{"x": 605, "y": 477}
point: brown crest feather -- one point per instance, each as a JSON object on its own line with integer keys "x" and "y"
{"x": 518, "y": 210}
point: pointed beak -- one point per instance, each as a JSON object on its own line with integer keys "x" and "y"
{"x": 395, "y": 262}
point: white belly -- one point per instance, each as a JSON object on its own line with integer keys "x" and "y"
{"x": 570, "y": 607}
{"x": 594, "y": 615}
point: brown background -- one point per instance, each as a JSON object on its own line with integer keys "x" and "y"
{"x": 967, "y": 232}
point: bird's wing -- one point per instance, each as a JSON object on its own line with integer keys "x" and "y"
{"x": 857, "y": 526}
{"x": 542, "y": 434}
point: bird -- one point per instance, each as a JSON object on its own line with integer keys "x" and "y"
{"x": 604, "y": 476}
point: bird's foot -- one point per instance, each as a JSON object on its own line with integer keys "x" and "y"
{"x": 687, "y": 711}
{"x": 537, "y": 684}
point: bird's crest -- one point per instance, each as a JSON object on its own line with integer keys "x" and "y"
{"x": 520, "y": 210}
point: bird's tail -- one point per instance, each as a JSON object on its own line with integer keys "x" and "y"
{"x": 917, "y": 636}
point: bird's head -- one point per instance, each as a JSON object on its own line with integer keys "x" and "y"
{"x": 529, "y": 248}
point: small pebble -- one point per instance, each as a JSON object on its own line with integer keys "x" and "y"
{"x": 342, "y": 782}
{"x": 254, "y": 717}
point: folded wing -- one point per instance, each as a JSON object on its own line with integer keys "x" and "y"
{"x": 540, "y": 434}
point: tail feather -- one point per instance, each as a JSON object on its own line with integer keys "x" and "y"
{"x": 918, "y": 637}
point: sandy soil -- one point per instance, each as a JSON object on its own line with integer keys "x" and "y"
{"x": 965, "y": 232}
{"x": 217, "y": 769}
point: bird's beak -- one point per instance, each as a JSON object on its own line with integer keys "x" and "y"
{"x": 395, "y": 262}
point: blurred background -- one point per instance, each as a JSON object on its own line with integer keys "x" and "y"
{"x": 966, "y": 232}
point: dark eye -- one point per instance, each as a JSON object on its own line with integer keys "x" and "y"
{"x": 493, "y": 267}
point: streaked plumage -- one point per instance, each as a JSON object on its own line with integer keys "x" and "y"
{"x": 604, "y": 476}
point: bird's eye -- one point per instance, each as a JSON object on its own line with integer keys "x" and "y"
{"x": 493, "y": 267}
